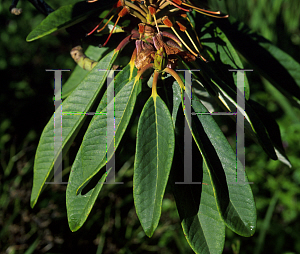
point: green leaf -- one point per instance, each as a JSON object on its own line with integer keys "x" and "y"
{"x": 223, "y": 54}
{"x": 94, "y": 145}
{"x": 208, "y": 218}
{"x": 93, "y": 150}
{"x": 273, "y": 130}
{"x": 67, "y": 16}
{"x": 153, "y": 160}
{"x": 80, "y": 206}
{"x": 201, "y": 222}
{"x": 78, "y": 74}
{"x": 81, "y": 100}
{"x": 176, "y": 100}
{"x": 234, "y": 201}
{"x": 228, "y": 97}
{"x": 273, "y": 63}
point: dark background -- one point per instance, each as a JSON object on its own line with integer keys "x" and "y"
{"x": 26, "y": 101}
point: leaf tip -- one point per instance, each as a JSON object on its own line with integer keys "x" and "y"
{"x": 149, "y": 232}
{"x": 73, "y": 226}
{"x": 32, "y": 202}
{"x": 31, "y": 37}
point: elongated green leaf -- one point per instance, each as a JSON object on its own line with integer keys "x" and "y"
{"x": 208, "y": 226}
{"x": 67, "y": 16}
{"x": 224, "y": 56}
{"x": 153, "y": 160}
{"x": 234, "y": 201}
{"x": 95, "y": 140}
{"x": 80, "y": 101}
{"x": 80, "y": 206}
{"x": 273, "y": 130}
{"x": 205, "y": 230}
{"x": 93, "y": 151}
{"x": 274, "y": 64}
{"x": 202, "y": 224}
{"x": 228, "y": 97}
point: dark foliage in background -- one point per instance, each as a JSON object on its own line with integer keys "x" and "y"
{"x": 26, "y": 104}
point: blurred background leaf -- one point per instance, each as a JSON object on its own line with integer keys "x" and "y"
{"x": 113, "y": 227}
